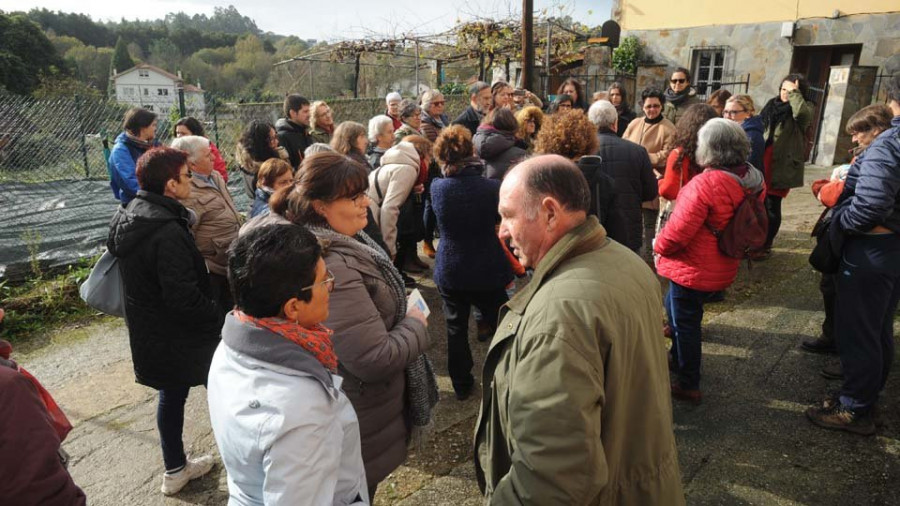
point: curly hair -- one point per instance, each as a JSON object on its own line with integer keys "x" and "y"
{"x": 568, "y": 133}
{"x": 452, "y": 146}
{"x": 686, "y": 131}
{"x": 255, "y": 141}
{"x": 580, "y": 101}
{"x": 529, "y": 113}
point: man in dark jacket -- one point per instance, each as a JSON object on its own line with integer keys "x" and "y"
{"x": 633, "y": 180}
{"x": 173, "y": 322}
{"x": 293, "y": 128}
{"x": 866, "y": 222}
{"x": 479, "y": 102}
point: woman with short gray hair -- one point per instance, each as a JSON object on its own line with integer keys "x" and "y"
{"x": 381, "y": 138}
{"x": 687, "y": 247}
{"x": 410, "y": 116}
{"x": 433, "y": 118}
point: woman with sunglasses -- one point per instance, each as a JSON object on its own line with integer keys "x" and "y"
{"x": 679, "y": 95}
{"x": 379, "y": 342}
{"x": 286, "y": 431}
{"x": 741, "y": 110}
{"x": 655, "y": 133}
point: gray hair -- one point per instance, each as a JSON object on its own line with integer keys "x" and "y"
{"x": 722, "y": 143}
{"x": 191, "y": 144}
{"x": 377, "y": 125}
{"x": 318, "y": 147}
{"x": 603, "y": 114}
{"x": 476, "y": 87}
{"x": 429, "y": 97}
{"x": 391, "y": 97}
{"x": 408, "y": 108}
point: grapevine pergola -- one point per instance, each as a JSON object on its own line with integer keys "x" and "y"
{"x": 485, "y": 41}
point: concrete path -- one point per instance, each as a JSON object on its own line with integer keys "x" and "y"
{"x": 748, "y": 443}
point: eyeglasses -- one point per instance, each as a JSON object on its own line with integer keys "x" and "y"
{"x": 189, "y": 174}
{"x": 328, "y": 282}
{"x": 652, "y": 106}
{"x": 677, "y": 81}
{"x": 565, "y": 106}
{"x": 439, "y": 102}
{"x": 734, "y": 112}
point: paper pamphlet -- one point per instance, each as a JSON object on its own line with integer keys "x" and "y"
{"x": 416, "y": 299}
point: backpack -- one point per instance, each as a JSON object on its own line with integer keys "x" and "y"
{"x": 746, "y": 232}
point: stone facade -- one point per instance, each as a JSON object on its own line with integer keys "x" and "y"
{"x": 850, "y": 89}
{"x": 760, "y": 51}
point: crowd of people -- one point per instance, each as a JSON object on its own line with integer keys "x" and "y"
{"x": 298, "y": 321}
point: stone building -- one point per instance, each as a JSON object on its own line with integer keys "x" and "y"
{"x": 754, "y": 46}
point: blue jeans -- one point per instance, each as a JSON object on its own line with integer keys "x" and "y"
{"x": 684, "y": 309}
{"x": 170, "y": 423}
{"x": 868, "y": 289}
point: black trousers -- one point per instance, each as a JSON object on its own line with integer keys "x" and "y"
{"x": 456, "y": 310}
{"x": 829, "y": 293}
{"x": 221, "y": 291}
{"x": 773, "y": 210}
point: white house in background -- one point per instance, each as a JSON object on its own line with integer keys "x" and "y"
{"x": 155, "y": 89}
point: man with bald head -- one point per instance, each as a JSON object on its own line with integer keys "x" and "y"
{"x": 575, "y": 406}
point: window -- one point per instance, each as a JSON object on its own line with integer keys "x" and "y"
{"x": 162, "y": 92}
{"x": 708, "y": 68}
{"x": 128, "y": 91}
{"x": 148, "y": 107}
{"x": 143, "y": 73}
{"x": 146, "y": 92}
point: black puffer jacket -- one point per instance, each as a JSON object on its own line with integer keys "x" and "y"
{"x": 601, "y": 185}
{"x": 173, "y": 322}
{"x": 497, "y": 149}
{"x": 633, "y": 182}
{"x": 294, "y": 139}
{"x": 470, "y": 118}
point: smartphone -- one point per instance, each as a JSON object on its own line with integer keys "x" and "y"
{"x": 519, "y": 93}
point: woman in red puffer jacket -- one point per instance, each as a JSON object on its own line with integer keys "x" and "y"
{"x": 688, "y": 251}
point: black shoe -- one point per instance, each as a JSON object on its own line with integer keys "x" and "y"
{"x": 820, "y": 345}
{"x": 716, "y": 296}
{"x": 832, "y": 372}
{"x": 408, "y": 281}
{"x": 464, "y": 392}
{"x": 485, "y": 331}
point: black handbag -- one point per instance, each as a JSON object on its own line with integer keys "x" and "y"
{"x": 826, "y": 255}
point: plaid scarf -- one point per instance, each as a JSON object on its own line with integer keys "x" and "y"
{"x": 316, "y": 340}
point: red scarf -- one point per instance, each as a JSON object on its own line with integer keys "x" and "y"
{"x": 316, "y": 340}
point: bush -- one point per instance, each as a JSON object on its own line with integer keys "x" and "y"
{"x": 626, "y": 57}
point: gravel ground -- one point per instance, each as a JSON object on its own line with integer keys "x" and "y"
{"x": 748, "y": 443}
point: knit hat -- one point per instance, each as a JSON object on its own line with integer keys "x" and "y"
{"x": 392, "y": 96}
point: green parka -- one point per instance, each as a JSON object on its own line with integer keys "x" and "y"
{"x": 576, "y": 408}
{"x": 789, "y": 143}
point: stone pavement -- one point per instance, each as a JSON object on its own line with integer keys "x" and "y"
{"x": 748, "y": 443}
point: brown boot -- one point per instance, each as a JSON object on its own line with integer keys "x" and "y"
{"x": 428, "y": 249}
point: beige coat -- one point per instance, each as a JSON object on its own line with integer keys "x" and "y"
{"x": 575, "y": 404}
{"x": 395, "y": 178}
{"x": 218, "y": 221}
{"x": 657, "y": 140}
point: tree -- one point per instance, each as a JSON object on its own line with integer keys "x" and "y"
{"x": 121, "y": 60}
{"x": 164, "y": 53}
{"x": 25, "y": 54}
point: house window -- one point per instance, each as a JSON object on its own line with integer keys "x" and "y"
{"x": 163, "y": 92}
{"x": 148, "y": 107}
{"x": 143, "y": 73}
{"x": 708, "y": 69}
{"x": 128, "y": 91}
{"x": 146, "y": 92}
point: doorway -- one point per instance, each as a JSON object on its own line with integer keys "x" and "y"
{"x": 815, "y": 63}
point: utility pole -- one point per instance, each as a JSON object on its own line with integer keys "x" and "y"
{"x": 356, "y": 78}
{"x": 527, "y": 43}
{"x": 547, "y": 58}
{"x": 417, "y": 68}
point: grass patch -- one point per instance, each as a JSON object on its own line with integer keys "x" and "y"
{"x": 44, "y": 303}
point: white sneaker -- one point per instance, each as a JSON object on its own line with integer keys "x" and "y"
{"x": 194, "y": 468}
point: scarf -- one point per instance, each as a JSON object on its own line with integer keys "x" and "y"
{"x": 654, "y": 120}
{"x": 678, "y": 98}
{"x": 139, "y": 143}
{"x": 774, "y": 114}
{"x": 421, "y": 382}
{"x": 316, "y": 340}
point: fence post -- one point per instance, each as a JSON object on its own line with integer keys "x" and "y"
{"x": 181, "y": 108}
{"x": 87, "y": 171}
{"x": 215, "y": 112}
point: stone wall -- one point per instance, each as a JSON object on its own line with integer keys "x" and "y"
{"x": 760, "y": 51}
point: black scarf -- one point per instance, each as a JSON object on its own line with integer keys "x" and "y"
{"x": 654, "y": 120}
{"x": 677, "y": 98}
{"x": 773, "y": 114}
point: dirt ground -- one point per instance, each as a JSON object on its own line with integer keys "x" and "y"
{"x": 747, "y": 444}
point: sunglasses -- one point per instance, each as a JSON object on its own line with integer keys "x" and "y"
{"x": 677, "y": 81}
{"x": 328, "y": 282}
{"x": 439, "y": 102}
{"x": 652, "y": 106}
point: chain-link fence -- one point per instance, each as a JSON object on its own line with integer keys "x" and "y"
{"x": 55, "y": 200}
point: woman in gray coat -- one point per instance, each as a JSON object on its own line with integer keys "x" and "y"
{"x": 380, "y": 343}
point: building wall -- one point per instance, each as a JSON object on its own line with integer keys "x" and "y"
{"x": 759, "y": 50}
{"x": 152, "y": 83}
{"x": 656, "y": 14}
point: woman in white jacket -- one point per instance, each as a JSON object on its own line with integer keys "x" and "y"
{"x": 285, "y": 429}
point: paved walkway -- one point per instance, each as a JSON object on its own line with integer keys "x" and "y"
{"x": 748, "y": 443}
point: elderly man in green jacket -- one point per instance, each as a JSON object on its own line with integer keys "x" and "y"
{"x": 576, "y": 407}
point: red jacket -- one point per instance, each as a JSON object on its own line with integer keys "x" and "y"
{"x": 669, "y": 185}
{"x": 689, "y": 252}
